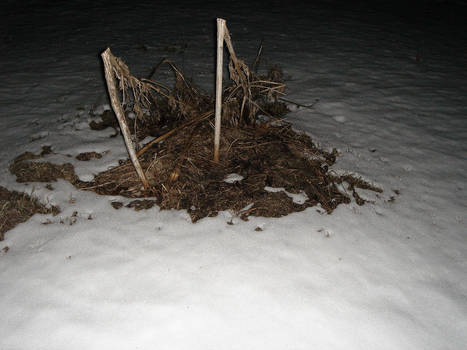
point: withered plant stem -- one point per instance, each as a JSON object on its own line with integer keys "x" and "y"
{"x": 233, "y": 56}
{"x": 255, "y": 64}
{"x": 109, "y": 65}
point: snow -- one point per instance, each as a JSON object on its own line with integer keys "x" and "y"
{"x": 233, "y": 178}
{"x": 298, "y": 198}
{"x": 389, "y": 275}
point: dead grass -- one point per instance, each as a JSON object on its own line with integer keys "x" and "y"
{"x": 16, "y": 207}
{"x": 27, "y": 171}
{"x": 183, "y": 176}
{"x": 85, "y": 156}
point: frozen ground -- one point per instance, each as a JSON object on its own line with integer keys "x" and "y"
{"x": 389, "y": 275}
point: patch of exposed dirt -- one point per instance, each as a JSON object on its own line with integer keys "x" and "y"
{"x": 16, "y": 207}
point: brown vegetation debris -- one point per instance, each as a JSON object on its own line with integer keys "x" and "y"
{"x": 85, "y": 156}
{"x": 116, "y": 205}
{"x": 107, "y": 120}
{"x": 42, "y": 171}
{"x": 16, "y": 207}
{"x": 140, "y": 204}
{"x": 28, "y": 170}
{"x": 183, "y": 175}
{"x": 178, "y": 164}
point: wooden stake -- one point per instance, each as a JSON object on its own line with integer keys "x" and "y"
{"x": 107, "y": 57}
{"x": 220, "y": 53}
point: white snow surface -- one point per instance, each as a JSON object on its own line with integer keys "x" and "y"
{"x": 391, "y": 274}
{"x": 298, "y": 198}
{"x": 233, "y": 178}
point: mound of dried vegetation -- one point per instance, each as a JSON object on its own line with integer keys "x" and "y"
{"x": 256, "y": 144}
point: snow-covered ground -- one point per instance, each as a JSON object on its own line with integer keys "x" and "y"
{"x": 392, "y": 98}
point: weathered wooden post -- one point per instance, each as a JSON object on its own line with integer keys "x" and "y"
{"x": 218, "y": 109}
